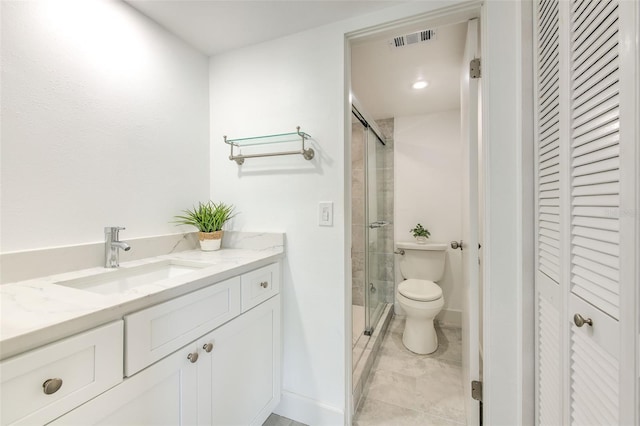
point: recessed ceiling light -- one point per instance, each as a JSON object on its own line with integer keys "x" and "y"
{"x": 420, "y": 84}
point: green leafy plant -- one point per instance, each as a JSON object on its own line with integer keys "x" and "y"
{"x": 207, "y": 217}
{"x": 420, "y": 231}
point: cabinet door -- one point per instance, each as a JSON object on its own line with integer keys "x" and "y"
{"x": 244, "y": 367}
{"x": 163, "y": 394}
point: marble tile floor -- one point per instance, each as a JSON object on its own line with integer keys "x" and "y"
{"x": 276, "y": 420}
{"x": 405, "y": 389}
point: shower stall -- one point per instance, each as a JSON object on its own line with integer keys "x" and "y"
{"x": 372, "y": 219}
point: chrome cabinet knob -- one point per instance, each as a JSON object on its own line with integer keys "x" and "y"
{"x": 52, "y": 386}
{"x": 579, "y": 320}
{"x": 264, "y": 284}
{"x": 208, "y": 347}
{"x": 193, "y": 357}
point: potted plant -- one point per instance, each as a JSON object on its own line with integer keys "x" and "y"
{"x": 420, "y": 233}
{"x": 209, "y": 218}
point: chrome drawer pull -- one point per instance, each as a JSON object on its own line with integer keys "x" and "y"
{"x": 52, "y": 386}
{"x": 579, "y": 320}
{"x": 208, "y": 347}
{"x": 264, "y": 284}
{"x": 193, "y": 357}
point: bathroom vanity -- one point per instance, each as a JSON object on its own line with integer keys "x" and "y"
{"x": 203, "y": 347}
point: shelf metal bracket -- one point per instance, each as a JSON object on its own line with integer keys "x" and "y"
{"x": 307, "y": 153}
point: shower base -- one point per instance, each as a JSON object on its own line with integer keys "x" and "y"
{"x": 365, "y": 351}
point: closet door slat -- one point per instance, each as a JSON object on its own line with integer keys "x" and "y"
{"x": 549, "y": 368}
{"x": 595, "y": 156}
{"x": 548, "y": 138}
{"x": 594, "y": 382}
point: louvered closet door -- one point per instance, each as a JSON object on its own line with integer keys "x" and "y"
{"x": 594, "y": 115}
{"x": 586, "y": 185}
{"x": 548, "y": 300}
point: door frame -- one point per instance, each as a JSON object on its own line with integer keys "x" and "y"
{"x": 507, "y": 134}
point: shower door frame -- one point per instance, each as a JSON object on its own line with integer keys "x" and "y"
{"x": 369, "y": 126}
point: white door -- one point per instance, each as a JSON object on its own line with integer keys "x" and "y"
{"x": 470, "y": 236}
{"x": 586, "y": 128}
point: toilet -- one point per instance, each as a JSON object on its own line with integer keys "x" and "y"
{"x": 419, "y": 295}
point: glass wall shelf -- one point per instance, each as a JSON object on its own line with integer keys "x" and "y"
{"x": 296, "y": 136}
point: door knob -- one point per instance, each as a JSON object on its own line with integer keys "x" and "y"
{"x": 579, "y": 320}
{"x": 208, "y": 347}
{"x": 193, "y": 357}
{"x": 456, "y": 245}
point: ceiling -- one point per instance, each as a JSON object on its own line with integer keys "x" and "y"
{"x": 215, "y": 26}
{"x": 382, "y": 76}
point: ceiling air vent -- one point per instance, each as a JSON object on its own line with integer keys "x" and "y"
{"x": 413, "y": 38}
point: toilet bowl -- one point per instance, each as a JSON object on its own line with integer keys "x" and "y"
{"x": 421, "y": 300}
{"x": 419, "y": 296}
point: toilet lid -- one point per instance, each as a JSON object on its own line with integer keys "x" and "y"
{"x": 421, "y": 290}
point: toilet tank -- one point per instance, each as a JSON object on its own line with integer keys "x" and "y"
{"x": 422, "y": 261}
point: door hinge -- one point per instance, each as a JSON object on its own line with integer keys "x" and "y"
{"x": 474, "y": 68}
{"x": 476, "y": 390}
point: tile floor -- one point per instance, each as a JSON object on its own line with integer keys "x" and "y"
{"x": 276, "y": 420}
{"x": 406, "y": 389}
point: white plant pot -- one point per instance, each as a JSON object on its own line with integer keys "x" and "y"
{"x": 210, "y": 241}
{"x": 421, "y": 240}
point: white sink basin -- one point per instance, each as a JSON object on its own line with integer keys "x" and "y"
{"x": 124, "y": 279}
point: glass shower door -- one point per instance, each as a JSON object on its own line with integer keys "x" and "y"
{"x": 358, "y": 226}
{"x": 375, "y": 231}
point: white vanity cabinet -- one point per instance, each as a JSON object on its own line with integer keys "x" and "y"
{"x": 239, "y": 378}
{"x": 228, "y": 376}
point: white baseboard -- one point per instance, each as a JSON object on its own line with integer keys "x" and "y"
{"x": 447, "y": 317}
{"x": 450, "y": 317}
{"x": 308, "y": 411}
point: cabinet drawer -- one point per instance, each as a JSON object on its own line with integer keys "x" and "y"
{"x": 156, "y": 332}
{"x": 259, "y": 285}
{"x": 88, "y": 364}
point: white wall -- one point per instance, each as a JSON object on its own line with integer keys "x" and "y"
{"x": 271, "y": 88}
{"x": 104, "y": 122}
{"x": 428, "y": 190}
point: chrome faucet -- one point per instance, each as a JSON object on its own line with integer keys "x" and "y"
{"x": 112, "y": 246}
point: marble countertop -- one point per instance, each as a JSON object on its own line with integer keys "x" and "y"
{"x": 39, "y": 311}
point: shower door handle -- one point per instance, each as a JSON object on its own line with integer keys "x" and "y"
{"x": 378, "y": 224}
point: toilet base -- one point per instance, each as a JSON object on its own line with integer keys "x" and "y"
{"x": 420, "y": 336}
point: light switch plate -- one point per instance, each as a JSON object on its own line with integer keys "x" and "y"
{"x": 325, "y": 213}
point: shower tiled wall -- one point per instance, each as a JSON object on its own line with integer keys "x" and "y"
{"x": 357, "y": 213}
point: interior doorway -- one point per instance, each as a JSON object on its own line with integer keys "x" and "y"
{"x": 427, "y": 183}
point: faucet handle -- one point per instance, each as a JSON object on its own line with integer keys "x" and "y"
{"x": 111, "y": 229}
